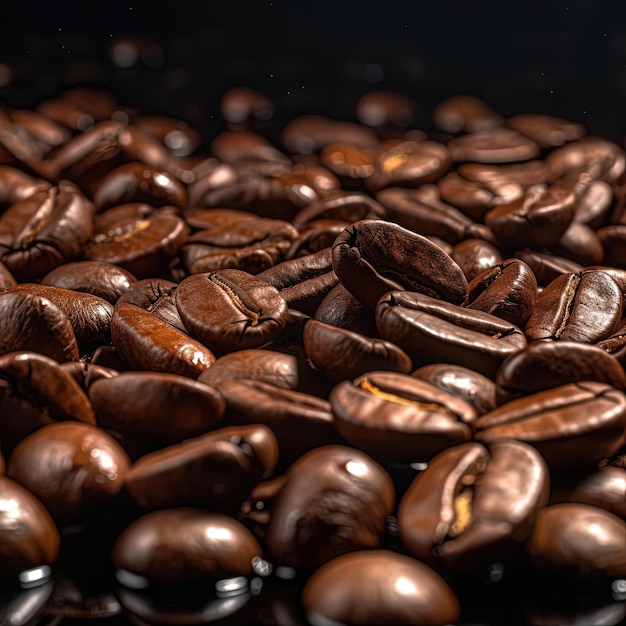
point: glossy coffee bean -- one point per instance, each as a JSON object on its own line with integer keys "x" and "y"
{"x": 334, "y": 500}
{"x": 75, "y": 469}
{"x": 230, "y": 309}
{"x": 215, "y": 471}
{"x": 578, "y": 540}
{"x": 475, "y": 256}
{"x": 498, "y": 145}
{"x": 341, "y": 354}
{"x": 399, "y": 417}
{"x": 373, "y": 257}
{"x": 104, "y": 280}
{"x": 148, "y": 343}
{"x": 243, "y": 106}
{"x": 184, "y": 545}
{"x": 434, "y": 331}
{"x": 30, "y": 538}
{"x": 573, "y": 425}
{"x": 385, "y": 109}
{"x": 474, "y": 505}
{"x": 159, "y": 407}
{"x": 464, "y": 113}
{"x": 379, "y": 587}
{"x": 547, "y": 130}
{"x": 547, "y": 266}
{"x": 16, "y": 185}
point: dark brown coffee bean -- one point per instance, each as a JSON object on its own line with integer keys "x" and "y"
{"x": 399, "y": 417}
{"x": 156, "y": 296}
{"x": 340, "y": 308}
{"x": 433, "y": 331}
{"x": 16, "y": 185}
{"x": 469, "y": 197}
{"x": 66, "y": 113}
{"x": 142, "y": 243}
{"x": 89, "y": 315}
{"x": 499, "y": 145}
{"x": 409, "y": 164}
{"x": 165, "y": 408}
{"x": 385, "y": 110}
{"x": 87, "y": 373}
{"x": 74, "y": 469}
{"x": 243, "y": 106}
{"x": 139, "y": 182}
{"x": 462, "y": 113}
{"x": 379, "y": 587}
{"x": 350, "y": 164}
{"x": 334, "y": 500}
{"x": 36, "y": 391}
{"x": 612, "y": 239}
{"x": 590, "y": 542}
{"x": 545, "y": 364}
{"x": 50, "y": 330}
{"x": 584, "y": 306}
{"x": 469, "y": 385}
{"x": 548, "y": 131}
{"x": 184, "y": 545}
{"x": 29, "y": 535}
{"x": 341, "y": 354}
{"x": 573, "y": 425}
{"x": 231, "y": 146}
{"x": 300, "y": 421}
{"x": 216, "y": 470}
{"x": 230, "y": 310}
{"x": 594, "y": 203}
{"x": 538, "y": 219}
{"x": 507, "y": 181}
{"x": 475, "y": 256}
{"x": 178, "y": 136}
{"x": 315, "y": 236}
{"x": 547, "y": 267}
{"x": 148, "y": 343}
{"x": 105, "y": 280}
{"x": 580, "y": 244}
{"x": 6, "y": 278}
{"x": 508, "y": 290}
{"x": 46, "y": 229}
{"x": 373, "y": 257}
{"x": 474, "y": 505}
{"x": 46, "y": 133}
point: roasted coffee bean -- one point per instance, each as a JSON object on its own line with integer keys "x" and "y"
{"x": 295, "y": 271}
{"x": 30, "y": 538}
{"x": 538, "y": 219}
{"x": 474, "y": 505}
{"x": 230, "y": 309}
{"x": 583, "y": 306}
{"x": 350, "y": 164}
{"x": 231, "y": 146}
{"x": 463, "y": 113}
{"x": 289, "y": 370}
{"x": 87, "y": 373}
{"x": 216, "y": 470}
{"x": 16, "y": 185}
{"x": 475, "y": 256}
{"x": 507, "y": 181}
{"x": 498, "y": 145}
{"x": 547, "y": 267}
{"x": 66, "y": 113}
{"x": 340, "y": 308}
{"x": 596, "y": 156}
{"x": 183, "y": 545}
{"x": 51, "y": 332}
{"x": 434, "y": 331}
{"x": 547, "y": 130}
{"x": 45, "y": 132}
{"x": 603, "y": 487}
{"x": 507, "y": 290}
{"x": 74, "y": 469}
{"x": 409, "y": 164}
{"x": 156, "y": 296}
{"x": 300, "y": 421}
{"x": 349, "y": 206}
{"x": 545, "y": 364}
{"x": 139, "y": 182}
{"x": 6, "y": 278}
{"x": 379, "y": 587}
{"x": 341, "y": 354}
{"x": 308, "y": 134}
{"x": 178, "y": 136}
{"x": 44, "y": 230}
{"x": 235, "y": 240}
{"x": 36, "y": 391}
{"x": 89, "y": 315}
{"x": 580, "y": 244}
{"x": 591, "y": 542}
{"x": 573, "y": 425}
{"x": 105, "y": 280}
{"x": 398, "y": 417}
{"x": 334, "y": 500}
{"x": 612, "y": 239}
{"x": 373, "y": 257}
{"x": 142, "y": 243}
{"x": 148, "y": 343}
{"x": 594, "y": 204}
{"x": 315, "y": 236}
{"x": 466, "y": 383}
{"x": 305, "y": 297}
{"x": 155, "y": 406}
{"x": 472, "y": 199}
{"x": 385, "y": 110}
{"x": 242, "y": 106}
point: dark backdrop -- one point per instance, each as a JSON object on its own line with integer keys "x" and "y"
{"x": 565, "y": 57}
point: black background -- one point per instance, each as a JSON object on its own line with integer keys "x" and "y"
{"x": 563, "y": 57}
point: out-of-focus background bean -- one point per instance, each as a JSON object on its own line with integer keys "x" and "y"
{"x": 563, "y": 57}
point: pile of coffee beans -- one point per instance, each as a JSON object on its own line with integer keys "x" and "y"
{"x": 363, "y": 374}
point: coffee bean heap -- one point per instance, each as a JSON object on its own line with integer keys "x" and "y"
{"x": 379, "y": 361}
